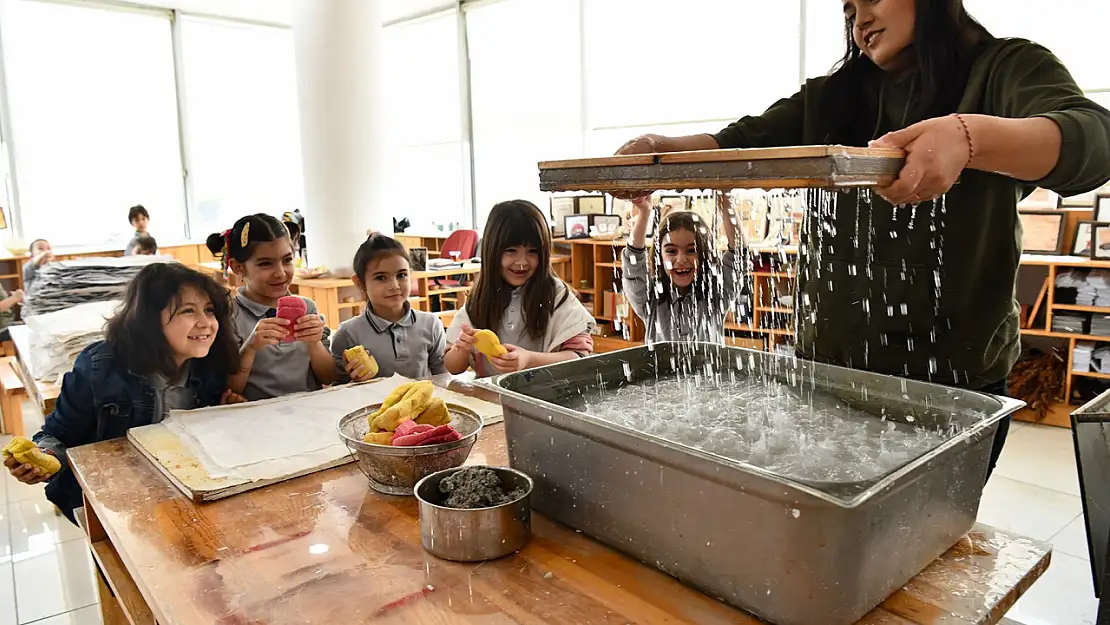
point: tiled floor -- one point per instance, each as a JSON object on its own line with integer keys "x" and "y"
{"x": 46, "y": 574}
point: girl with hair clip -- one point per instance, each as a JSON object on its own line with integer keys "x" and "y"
{"x": 696, "y": 285}
{"x": 170, "y": 347}
{"x": 401, "y": 340}
{"x": 518, "y": 296}
{"x": 259, "y": 249}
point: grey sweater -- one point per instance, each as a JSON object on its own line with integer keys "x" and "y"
{"x": 686, "y": 317}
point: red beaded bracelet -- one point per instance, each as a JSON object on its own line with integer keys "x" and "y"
{"x": 967, "y": 133}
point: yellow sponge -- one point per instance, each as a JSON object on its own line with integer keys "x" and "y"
{"x": 359, "y": 354}
{"x": 435, "y": 414}
{"x": 412, "y": 405}
{"x": 486, "y": 342}
{"x": 26, "y": 452}
{"x": 379, "y": 438}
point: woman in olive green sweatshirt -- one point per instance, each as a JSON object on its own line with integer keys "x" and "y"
{"x": 927, "y": 291}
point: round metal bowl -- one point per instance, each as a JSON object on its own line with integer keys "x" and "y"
{"x": 477, "y": 534}
{"x": 396, "y": 470}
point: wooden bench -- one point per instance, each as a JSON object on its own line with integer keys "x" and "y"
{"x": 12, "y": 394}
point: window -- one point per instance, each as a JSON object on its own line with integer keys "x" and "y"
{"x": 242, "y": 124}
{"x": 525, "y": 80}
{"x": 427, "y": 167}
{"x": 824, "y": 36}
{"x": 94, "y": 121}
{"x": 654, "y": 62}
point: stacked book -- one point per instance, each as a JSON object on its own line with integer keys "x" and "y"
{"x": 1068, "y": 282}
{"x": 1100, "y": 325}
{"x": 1069, "y": 323}
{"x": 57, "y": 338}
{"x": 1101, "y": 359}
{"x": 67, "y": 283}
{"x": 1082, "y": 357}
{"x": 1094, "y": 289}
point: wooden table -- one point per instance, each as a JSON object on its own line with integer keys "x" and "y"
{"x": 326, "y": 549}
{"x": 42, "y": 393}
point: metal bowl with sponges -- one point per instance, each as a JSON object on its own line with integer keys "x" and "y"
{"x": 396, "y": 470}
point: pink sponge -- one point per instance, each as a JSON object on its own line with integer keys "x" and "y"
{"x": 419, "y": 434}
{"x": 291, "y": 308}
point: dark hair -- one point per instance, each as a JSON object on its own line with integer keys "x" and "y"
{"x": 945, "y": 40}
{"x": 135, "y": 333}
{"x": 137, "y": 210}
{"x": 146, "y": 245}
{"x": 513, "y": 223}
{"x": 374, "y": 247}
{"x": 692, "y": 222}
{"x": 261, "y": 228}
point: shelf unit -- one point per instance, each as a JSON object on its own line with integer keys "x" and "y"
{"x": 594, "y": 269}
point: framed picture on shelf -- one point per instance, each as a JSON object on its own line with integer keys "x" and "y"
{"x": 590, "y": 204}
{"x": 1102, "y": 207}
{"x": 418, "y": 257}
{"x": 1081, "y": 242}
{"x": 1100, "y": 241}
{"x": 606, "y": 222}
{"x": 1042, "y": 231}
{"x": 577, "y": 226}
{"x": 561, "y": 208}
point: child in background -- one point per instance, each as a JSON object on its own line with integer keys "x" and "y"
{"x": 259, "y": 249}
{"x": 140, "y": 219}
{"x": 681, "y": 295}
{"x": 41, "y": 253}
{"x": 402, "y": 340}
{"x": 518, "y": 296}
{"x": 144, "y": 245}
{"x": 7, "y": 317}
{"x": 170, "y": 347}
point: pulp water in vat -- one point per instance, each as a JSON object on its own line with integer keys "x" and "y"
{"x": 790, "y": 430}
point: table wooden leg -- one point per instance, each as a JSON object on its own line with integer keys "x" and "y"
{"x": 11, "y": 405}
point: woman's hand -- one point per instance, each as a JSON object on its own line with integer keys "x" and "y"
{"x": 309, "y": 329}
{"x": 937, "y": 150}
{"x": 516, "y": 359}
{"x": 357, "y": 371}
{"x": 644, "y": 144}
{"x": 270, "y": 331}
{"x": 26, "y": 473}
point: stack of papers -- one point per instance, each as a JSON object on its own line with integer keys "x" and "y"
{"x": 1100, "y": 325}
{"x": 67, "y": 283}
{"x": 440, "y": 264}
{"x": 1101, "y": 359}
{"x": 1082, "y": 356}
{"x": 57, "y": 338}
{"x": 1069, "y": 323}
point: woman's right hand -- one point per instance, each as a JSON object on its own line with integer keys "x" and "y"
{"x": 644, "y": 144}
{"x": 24, "y": 472}
{"x": 270, "y": 331}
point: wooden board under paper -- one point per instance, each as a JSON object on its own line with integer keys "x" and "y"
{"x": 166, "y": 451}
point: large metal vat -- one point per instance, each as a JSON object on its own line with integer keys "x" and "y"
{"x": 791, "y": 552}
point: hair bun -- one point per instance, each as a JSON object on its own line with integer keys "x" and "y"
{"x": 215, "y": 243}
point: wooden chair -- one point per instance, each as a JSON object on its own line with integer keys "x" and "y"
{"x": 11, "y": 398}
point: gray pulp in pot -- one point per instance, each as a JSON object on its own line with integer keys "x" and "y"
{"x": 476, "y": 487}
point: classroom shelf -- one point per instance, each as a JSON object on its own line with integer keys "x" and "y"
{"x": 585, "y": 290}
{"x": 11, "y": 276}
{"x": 1092, "y": 374}
{"x": 350, "y": 304}
{"x": 1061, "y": 335}
{"x": 608, "y": 265}
{"x": 1088, "y": 309}
{"x": 775, "y": 310}
{"x": 737, "y": 327}
{"x": 448, "y": 290}
{"x": 775, "y": 274}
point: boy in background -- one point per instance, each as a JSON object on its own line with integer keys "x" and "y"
{"x": 144, "y": 245}
{"x": 140, "y": 219}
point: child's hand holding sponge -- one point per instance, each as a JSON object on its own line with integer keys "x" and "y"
{"x": 24, "y": 452}
{"x": 291, "y": 308}
{"x": 361, "y": 366}
{"x": 411, "y": 402}
{"x": 486, "y": 342}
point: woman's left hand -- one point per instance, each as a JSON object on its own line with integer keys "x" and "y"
{"x": 516, "y": 359}
{"x": 937, "y": 150}
{"x": 309, "y": 329}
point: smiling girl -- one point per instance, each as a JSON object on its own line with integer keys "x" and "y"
{"x": 259, "y": 249}
{"x": 694, "y": 291}
{"x": 402, "y": 340}
{"x": 170, "y": 347}
{"x": 519, "y": 297}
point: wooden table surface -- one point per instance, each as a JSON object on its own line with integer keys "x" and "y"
{"x": 326, "y": 549}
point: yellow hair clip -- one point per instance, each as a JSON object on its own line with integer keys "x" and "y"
{"x": 245, "y": 237}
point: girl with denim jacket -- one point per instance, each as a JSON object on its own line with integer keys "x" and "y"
{"x": 170, "y": 347}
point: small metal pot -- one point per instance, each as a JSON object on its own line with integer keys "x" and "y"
{"x": 474, "y": 535}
